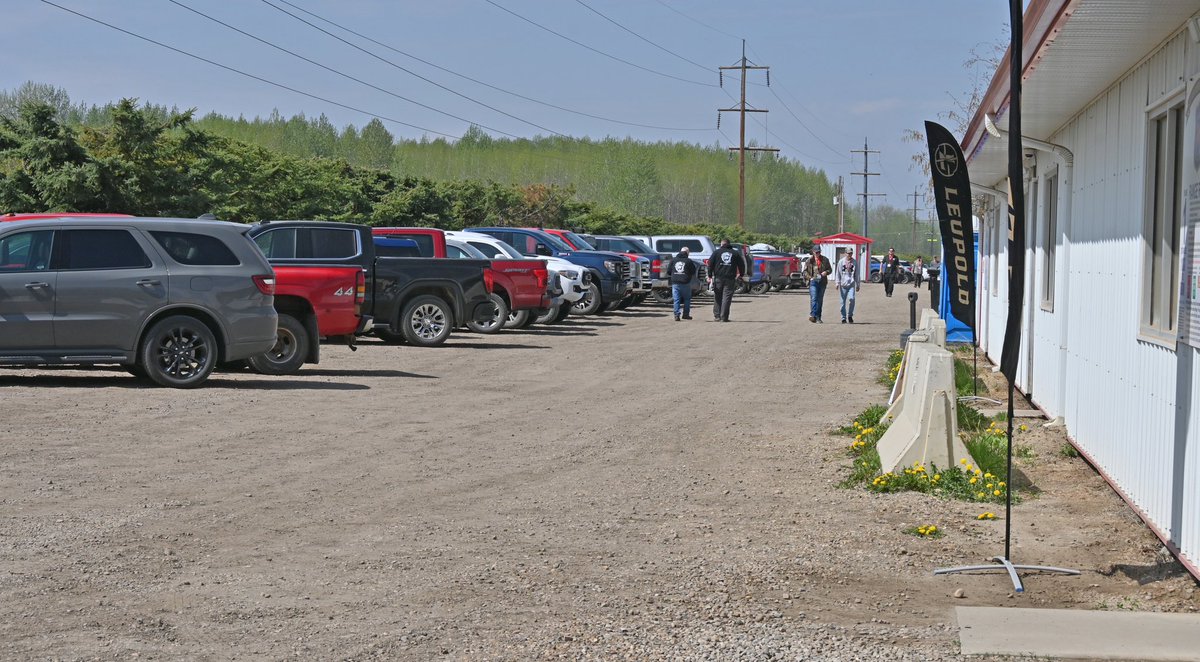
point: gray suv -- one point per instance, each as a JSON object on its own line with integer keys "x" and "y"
{"x": 166, "y": 298}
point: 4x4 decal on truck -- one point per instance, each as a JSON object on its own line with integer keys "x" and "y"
{"x": 344, "y": 292}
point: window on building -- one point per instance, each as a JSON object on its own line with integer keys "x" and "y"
{"x": 1049, "y": 241}
{"x": 1160, "y": 234}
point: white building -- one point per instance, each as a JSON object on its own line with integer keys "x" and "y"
{"x": 1105, "y": 106}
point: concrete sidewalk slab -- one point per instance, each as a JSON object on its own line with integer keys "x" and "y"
{"x": 1079, "y": 634}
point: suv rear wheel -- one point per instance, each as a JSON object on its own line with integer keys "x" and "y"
{"x": 289, "y": 352}
{"x": 178, "y": 351}
{"x": 426, "y": 321}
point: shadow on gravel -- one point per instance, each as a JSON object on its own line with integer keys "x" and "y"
{"x": 323, "y": 372}
{"x": 662, "y": 313}
{"x": 117, "y": 381}
{"x": 474, "y": 345}
{"x": 552, "y": 332}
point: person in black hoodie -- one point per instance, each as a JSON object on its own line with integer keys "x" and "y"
{"x": 726, "y": 266}
{"x": 682, "y": 271}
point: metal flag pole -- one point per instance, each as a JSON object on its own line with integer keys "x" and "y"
{"x": 1017, "y": 248}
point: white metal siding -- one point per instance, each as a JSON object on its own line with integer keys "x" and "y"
{"x": 1121, "y": 398}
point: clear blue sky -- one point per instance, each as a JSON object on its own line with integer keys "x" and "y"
{"x": 847, "y": 69}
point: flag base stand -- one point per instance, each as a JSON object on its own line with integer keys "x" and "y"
{"x": 1002, "y": 563}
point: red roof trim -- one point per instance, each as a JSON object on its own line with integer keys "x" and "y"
{"x": 843, "y": 238}
{"x": 1044, "y": 19}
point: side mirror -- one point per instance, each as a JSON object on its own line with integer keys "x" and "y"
{"x": 542, "y": 249}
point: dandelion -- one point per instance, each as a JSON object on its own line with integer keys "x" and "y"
{"x": 963, "y": 461}
{"x": 996, "y": 493}
{"x": 973, "y": 480}
{"x": 986, "y": 516}
{"x": 979, "y": 495}
{"x": 1024, "y": 428}
{"x": 990, "y": 486}
{"x": 1003, "y": 484}
{"x": 937, "y": 476}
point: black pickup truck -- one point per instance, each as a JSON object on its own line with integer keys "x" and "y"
{"x": 411, "y": 299}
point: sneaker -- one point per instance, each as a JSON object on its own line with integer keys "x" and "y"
{"x": 676, "y": 318}
{"x": 812, "y": 318}
{"x": 687, "y": 317}
{"x": 843, "y": 320}
{"x": 851, "y": 318}
{"x": 820, "y": 321}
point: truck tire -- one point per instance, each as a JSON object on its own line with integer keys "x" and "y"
{"x": 742, "y": 287}
{"x": 390, "y": 337}
{"x": 496, "y": 321}
{"x": 290, "y": 350}
{"x": 591, "y": 302}
{"x": 639, "y": 299}
{"x": 518, "y": 319}
{"x": 550, "y": 316}
{"x": 178, "y": 351}
{"x": 426, "y": 321}
{"x": 761, "y": 287}
{"x": 664, "y": 295}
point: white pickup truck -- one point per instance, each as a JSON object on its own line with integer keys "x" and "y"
{"x": 572, "y": 278}
{"x": 700, "y": 248}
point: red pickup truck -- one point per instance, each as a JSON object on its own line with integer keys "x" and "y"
{"x": 521, "y": 284}
{"x": 313, "y": 301}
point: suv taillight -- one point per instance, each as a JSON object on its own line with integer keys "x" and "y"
{"x": 265, "y": 284}
{"x": 360, "y": 287}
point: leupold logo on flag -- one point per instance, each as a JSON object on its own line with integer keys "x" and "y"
{"x": 945, "y": 158}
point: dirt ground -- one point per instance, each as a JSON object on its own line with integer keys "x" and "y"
{"x": 620, "y": 486}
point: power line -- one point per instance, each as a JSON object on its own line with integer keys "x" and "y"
{"x": 594, "y": 50}
{"x": 249, "y": 75}
{"x": 340, "y": 73}
{"x": 486, "y": 84}
{"x": 698, "y": 21}
{"x": 648, "y": 41}
{"x": 776, "y": 136}
{"x": 801, "y": 122}
{"x": 408, "y": 71}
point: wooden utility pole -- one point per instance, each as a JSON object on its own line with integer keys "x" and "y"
{"x": 743, "y": 66}
{"x": 912, "y": 239}
{"x": 866, "y": 175}
{"x": 841, "y": 203}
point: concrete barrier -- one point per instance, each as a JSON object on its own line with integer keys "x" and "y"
{"x": 923, "y": 416}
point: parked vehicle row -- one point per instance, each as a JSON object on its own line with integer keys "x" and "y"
{"x": 173, "y": 299}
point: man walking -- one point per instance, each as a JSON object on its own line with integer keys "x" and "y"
{"x": 918, "y": 271}
{"x": 817, "y": 270}
{"x": 848, "y": 284}
{"x": 682, "y": 272}
{"x": 726, "y": 266}
{"x": 891, "y": 270}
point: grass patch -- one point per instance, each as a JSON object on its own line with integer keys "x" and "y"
{"x": 965, "y": 381}
{"x": 892, "y": 369}
{"x": 927, "y": 531}
{"x": 869, "y": 418}
{"x": 970, "y": 420}
{"x": 1068, "y": 451}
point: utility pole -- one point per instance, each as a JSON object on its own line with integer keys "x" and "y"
{"x": 866, "y": 175}
{"x": 743, "y": 66}
{"x": 840, "y": 201}
{"x": 912, "y": 239}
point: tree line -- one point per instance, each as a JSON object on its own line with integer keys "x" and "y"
{"x": 159, "y": 161}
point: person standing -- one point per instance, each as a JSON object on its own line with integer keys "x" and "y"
{"x": 891, "y": 270}
{"x": 682, "y": 272}
{"x": 817, "y": 270}
{"x": 726, "y": 266}
{"x": 848, "y": 284}
{"x": 918, "y": 271}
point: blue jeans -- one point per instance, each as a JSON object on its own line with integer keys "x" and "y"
{"x": 682, "y": 294}
{"x": 847, "y": 296}
{"x": 816, "y": 291}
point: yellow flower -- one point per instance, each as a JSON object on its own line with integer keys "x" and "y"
{"x": 990, "y": 486}
{"x": 963, "y": 461}
{"x": 937, "y": 476}
{"x": 979, "y": 495}
{"x": 978, "y": 472}
{"x": 996, "y": 493}
{"x": 1003, "y": 484}
{"x": 973, "y": 480}
{"x": 1024, "y": 428}
{"x": 986, "y": 516}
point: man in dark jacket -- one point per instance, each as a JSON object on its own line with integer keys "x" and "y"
{"x": 682, "y": 271}
{"x": 726, "y": 266}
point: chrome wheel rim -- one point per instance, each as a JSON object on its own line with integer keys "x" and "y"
{"x": 428, "y": 321}
{"x": 285, "y": 347}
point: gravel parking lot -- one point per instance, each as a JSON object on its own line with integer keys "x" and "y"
{"x": 620, "y": 486}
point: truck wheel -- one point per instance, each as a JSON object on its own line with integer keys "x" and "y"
{"x": 760, "y": 288}
{"x": 563, "y": 312}
{"x": 178, "y": 351}
{"x": 875, "y": 277}
{"x": 590, "y": 303}
{"x": 741, "y": 288}
{"x": 289, "y": 352}
{"x": 550, "y": 316}
{"x": 664, "y": 296}
{"x": 780, "y": 287}
{"x": 390, "y": 337}
{"x": 518, "y": 319}
{"x": 495, "y": 317}
{"x": 426, "y": 321}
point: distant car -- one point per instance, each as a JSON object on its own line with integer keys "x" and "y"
{"x": 168, "y": 299}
